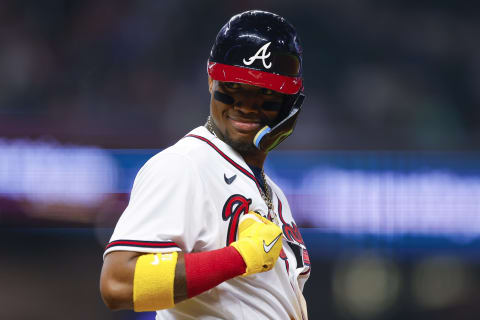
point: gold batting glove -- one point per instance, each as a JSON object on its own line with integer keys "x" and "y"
{"x": 259, "y": 243}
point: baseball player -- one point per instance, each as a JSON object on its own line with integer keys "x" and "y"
{"x": 206, "y": 234}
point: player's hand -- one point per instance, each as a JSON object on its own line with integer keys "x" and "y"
{"x": 259, "y": 242}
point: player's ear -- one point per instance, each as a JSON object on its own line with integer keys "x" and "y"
{"x": 210, "y": 84}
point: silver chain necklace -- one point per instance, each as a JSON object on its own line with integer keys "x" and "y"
{"x": 209, "y": 126}
{"x": 265, "y": 194}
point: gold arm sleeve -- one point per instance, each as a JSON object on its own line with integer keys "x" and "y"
{"x": 153, "y": 281}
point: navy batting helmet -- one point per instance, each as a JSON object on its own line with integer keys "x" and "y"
{"x": 262, "y": 49}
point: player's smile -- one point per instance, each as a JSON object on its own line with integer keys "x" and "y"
{"x": 244, "y": 125}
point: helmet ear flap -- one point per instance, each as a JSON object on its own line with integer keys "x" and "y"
{"x": 287, "y": 105}
{"x": 268, "y": 138}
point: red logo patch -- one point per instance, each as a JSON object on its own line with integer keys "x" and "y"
{"x": 306, "y": 258}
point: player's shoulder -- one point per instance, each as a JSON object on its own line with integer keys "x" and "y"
{"x": 193, "y": 144}
{"x": 184, "y": 153}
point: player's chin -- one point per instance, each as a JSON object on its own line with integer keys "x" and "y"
{"x": 243, "y": 135}
{"x": 241, "y": 141}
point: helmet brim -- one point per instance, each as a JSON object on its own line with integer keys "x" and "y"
{"x": 275, "y": 82}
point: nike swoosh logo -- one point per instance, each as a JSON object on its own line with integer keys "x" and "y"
{"x": 229, "y": 180}
{"x": 269, "y": 247}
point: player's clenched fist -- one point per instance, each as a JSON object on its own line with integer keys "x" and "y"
{"x": 259, "y": 242}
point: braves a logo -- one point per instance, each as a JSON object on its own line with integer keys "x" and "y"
{"x": 261, "y": 54}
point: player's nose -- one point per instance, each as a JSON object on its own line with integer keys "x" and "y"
{"x": 248, "y": 103}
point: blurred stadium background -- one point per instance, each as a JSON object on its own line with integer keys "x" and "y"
{"x": 383, "y": 171}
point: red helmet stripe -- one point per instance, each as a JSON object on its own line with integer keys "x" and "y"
{"x": 276, "y": 82}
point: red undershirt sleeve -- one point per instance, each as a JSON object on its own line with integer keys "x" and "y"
{"x": 206, "y": 270}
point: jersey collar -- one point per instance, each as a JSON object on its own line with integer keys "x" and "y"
{"x": 224, "y": 150}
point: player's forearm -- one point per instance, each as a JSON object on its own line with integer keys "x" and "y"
{"x": 205, "y": 271}
{"x": 180, "y": 282}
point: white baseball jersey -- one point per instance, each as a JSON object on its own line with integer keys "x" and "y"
{"x": 189, "y": 198}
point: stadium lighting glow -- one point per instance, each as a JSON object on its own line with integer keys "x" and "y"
{"x": 47, "y": 172}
